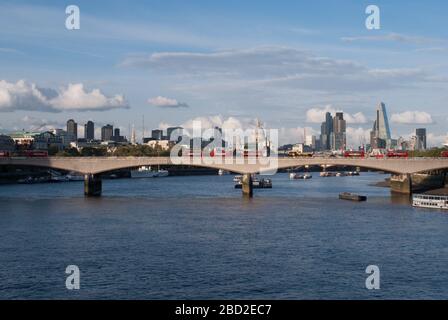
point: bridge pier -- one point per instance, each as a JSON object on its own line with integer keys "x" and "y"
{"x": 247, "y": 185}
{"x": 401, "y": 183}
{"x": 92, "y": 185}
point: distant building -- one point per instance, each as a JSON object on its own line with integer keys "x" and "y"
{"x": 326, "y": 130}
{"x": 339, "y": 132}
{"x": 310, "y": 141}
{"x": 6, "y": 143}
{"x": 72, "y": 130}
{"x": 420, "y": 135}
{"x": 36, "y": 140}
{"x": 89, "y": 131}
{"x": 157, "y": 134}
{"x": 117, "y": 137}
{"x": 174, "y": 133}
{"x": 107, "y": 132}
{"x": 163, "y": 145}
{"x": 380, "y": 137}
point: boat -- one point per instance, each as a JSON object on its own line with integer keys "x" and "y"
{"x": 161, "y": 173}
{"x": 73, "y": 176}
{"x": 142, "y": 172}
{"x": 147, "y": 172}
{"x": 257, "y": 183}
{"x": 297, "y": 176}
{"x": 237, "y": 178}
{"x": 430, "y": 201}
{"x": 352, "y": 196}
{"x": 222, "y": 172}
{"x": 327, "y": 174}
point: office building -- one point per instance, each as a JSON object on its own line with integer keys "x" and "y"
{"x": 339, "y": 132}
{"x": 420, "y": 135}
{"x": 107, "y": 132}
{"x": 326, "y": 130}
{"x": 380, "y": 137}
{"x": 72, "y": 130}
{"x": 89, "y": 131}
{"x": 157, "y": 134}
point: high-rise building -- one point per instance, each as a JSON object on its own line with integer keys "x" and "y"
{"x": 420, "y": 134}
{"x": 72, "y": 130}
{"x": 310, "y": 141}
{"x": 326, "y": 130}
{"x": 116, "y": 132}
{"x": 380, "y": 135}
{"x": 89, "y": 131}
{"x": 171, "y": 133}
{"x": 339, "y": 132}
{"x": 157, "y": 134}
{"x": 107, "y": 132}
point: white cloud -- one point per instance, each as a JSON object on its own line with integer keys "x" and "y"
{"x": 28, "y": 96}
{"x": 412, "y": 117}
{"x": 164, "y": 102}
{"x": 317, "y": 115}
{"x": 357, "y": 137}
{"x": 393, "y": 37}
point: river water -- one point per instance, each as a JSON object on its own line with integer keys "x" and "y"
{"x": 198, "y": 238}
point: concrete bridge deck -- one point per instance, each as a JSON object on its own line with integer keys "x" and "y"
{"x": 91, "y": 167}
{"x": 96, "y": 165}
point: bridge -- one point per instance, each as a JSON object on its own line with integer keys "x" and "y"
{"x": 92, "y": 167}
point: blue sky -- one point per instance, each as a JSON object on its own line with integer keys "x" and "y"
{"x": 225, "y": 62}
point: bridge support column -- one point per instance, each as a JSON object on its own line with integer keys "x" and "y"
{"x": 92, "y": 185}
{"x": 247, "y": 185}
{"x": 401, "y": 183}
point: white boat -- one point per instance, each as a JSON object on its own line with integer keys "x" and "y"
{"x": 161, "y": 173}
{"x": 430, "y": 201}
{"x": 222, "y": 172}
{"x": 147, "y": 172}
{"x": 73, "y": 176}
{"x": 296, "y": 176}
{"x": 143, "y": 172}
{"x": 237, "y": 178}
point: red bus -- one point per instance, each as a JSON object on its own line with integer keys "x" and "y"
{"x": 354, "y": 154}
{"x": 34, "y": 154}
{"x": 444, "y": 154}
{"x": 397, "y": 154}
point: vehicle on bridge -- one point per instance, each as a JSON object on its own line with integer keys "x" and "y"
{"x": 24, "y": 153}
{"x": 5, "y": 154}
{"x": 397, "y": 154}
{"x": 298, "y": 154}
{"x": 444, "y": 154}
{"x": 354, "y": 154}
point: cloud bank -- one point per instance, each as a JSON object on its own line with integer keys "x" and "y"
{"x": 317, "y": 115}
{"x": 412, "y": 117}
{"x": 164, "y": 102}
{"x": 23, "y": 95}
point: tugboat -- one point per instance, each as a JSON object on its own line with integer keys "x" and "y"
{"x": 352, "y": 196}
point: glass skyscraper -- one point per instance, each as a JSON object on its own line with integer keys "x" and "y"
{"x": 380, "y": 135}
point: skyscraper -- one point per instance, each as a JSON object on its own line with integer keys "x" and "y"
{"x": 72, "y": 130}
{"x": 326, "y": 131}
{"x": 107, "y": 132}
{"x": 421, "y": 138}
{"x": 339, "y": 132}
{"x": 89, "y": 131}
{"x": 157, "y": 134}
{"x": 380, "y": 135}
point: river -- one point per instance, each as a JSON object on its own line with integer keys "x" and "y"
{"x": 197, "y": 238}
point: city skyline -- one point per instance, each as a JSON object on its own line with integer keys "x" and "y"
{"x": 284, "y": 68}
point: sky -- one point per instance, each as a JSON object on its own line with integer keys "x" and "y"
{"x": 225, "y": 63}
